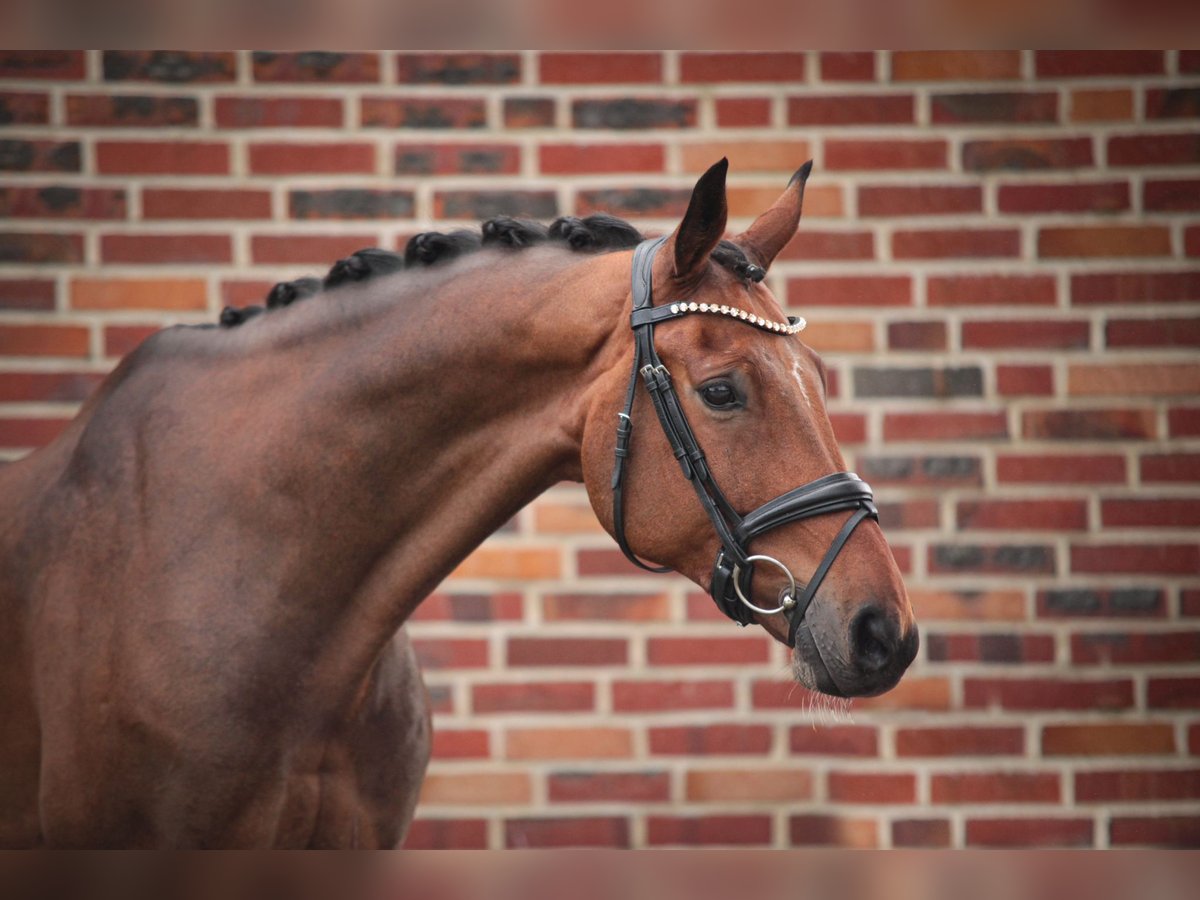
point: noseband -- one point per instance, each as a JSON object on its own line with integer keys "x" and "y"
{"x": 734, "y": 567}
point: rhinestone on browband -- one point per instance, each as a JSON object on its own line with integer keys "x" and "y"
{"x": 735, "y": 313}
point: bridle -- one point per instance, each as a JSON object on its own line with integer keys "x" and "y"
{"x": 734, "y": 566}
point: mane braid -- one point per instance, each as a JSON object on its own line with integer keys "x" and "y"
{"x": 594, "y": 234}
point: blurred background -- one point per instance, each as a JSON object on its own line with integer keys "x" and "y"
{"x": 1000, "y": 263}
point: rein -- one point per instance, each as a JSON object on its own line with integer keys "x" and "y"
{"x": 734, "y": 567}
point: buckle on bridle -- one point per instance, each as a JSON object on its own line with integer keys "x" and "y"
{"x": 789, "y": 597}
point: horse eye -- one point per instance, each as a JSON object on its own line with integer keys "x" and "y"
{"x": 719, "y": 395}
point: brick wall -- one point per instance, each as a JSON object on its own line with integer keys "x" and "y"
{"x": 999, "y": 261}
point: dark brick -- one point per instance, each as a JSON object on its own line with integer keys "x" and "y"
{"x": 1014, "y": 559}
{"x": 443, "y": 159}
{"x": 1097, "y": 63}
{"x": 1020, "y": 155}
{"x": 630, "y": 112}
{"x": 921, "y": 833}
{"x": 1101, "y": 603}
{"x": 39, "y": 156}
{"x": 423, "y": 112}
{"x": 173, "y": 66}
{"x": 528, "y": 112}
{"x": 62, "y": 202}
{"x": 350, "y": 203}
{"x": 656, "y": 202}
{"x": 43, "y": 247}
{"x": 54, "y": 64}
{"x": 24, "y": 108}
{"x": 1154, "y": 149}
{"x": 458, "y": 68}
{"x": 995, "y": 108}
{"x": 486, "y": 204}
{"x": 942, "y": 471}
{"x": 136, "y": 110}
{"x": 927, "y": 382}
{"x": 27, "y": 293}
{"x": 1173, "y": 103}
{"x": 1088, "y": 424}
{"x": 919, "y": 336}
{"x": 314, "y": 66}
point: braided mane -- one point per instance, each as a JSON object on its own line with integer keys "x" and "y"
{"x": 598, "y": 233}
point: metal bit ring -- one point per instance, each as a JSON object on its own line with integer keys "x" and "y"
{"x": 789, "y": 598}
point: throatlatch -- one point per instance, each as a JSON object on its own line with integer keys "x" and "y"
{"x": 734, "y": 568}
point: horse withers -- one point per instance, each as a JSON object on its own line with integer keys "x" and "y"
{"x": 204, "y": 579}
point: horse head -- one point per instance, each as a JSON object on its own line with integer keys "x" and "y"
{"x": 726, "y": 465}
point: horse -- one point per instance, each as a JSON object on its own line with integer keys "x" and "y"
{"x": 206, "y": 576}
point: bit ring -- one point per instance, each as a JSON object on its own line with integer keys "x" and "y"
{"x": 789, "y": 598}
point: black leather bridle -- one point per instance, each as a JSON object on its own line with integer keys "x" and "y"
{"x": 734, "y": 568}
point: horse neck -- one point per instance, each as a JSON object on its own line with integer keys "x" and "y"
{"x": 430, "y": 419}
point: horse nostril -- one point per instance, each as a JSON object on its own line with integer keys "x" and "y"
{"x": 873, "y": 639}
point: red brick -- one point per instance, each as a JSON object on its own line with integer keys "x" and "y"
{"x": 1089, "y": 424}
{"x": 695, "y": 651}
{"x": 646, "y": 696}
{"x": 608, "y": 787}
{"x": 1101, "y": 105}
{"x": 1146, "y": 512}
{"x": 41, "y": 247}
{"x": 818, "y": 245}
{"x": 1024, "y": 381}
{"x": 743, "y": 785}
{"x": 960, "y": 741}
{"x": 912, "y": 693}
{"x": 834, "y": 740}
{"x": 126, "y": 110}
{"x": 956, "y": 243}
{"x": 919, "y": 336}
{"x": 567, "y": 651}
{"x": 881, "y": 154}
{"x": 909, "y": 515}
{"x": 1104, "y": 240}
{"x": 47, "y": 387}
{"x": 533, "y": 697}
{"x": 528, "y": 112}
{"x": 279, "y": 112}
{"x": 466, "y": 743}
{"x": 1030, "y": 694}
{"x": 27, "y": 433}
{"x": 995, "y": 107}
{"x": 1155, "y": 831}
{"x": 128, "y": 293}
{"x": 325, "y": 68}
{"x": 918, "y": 200}
{"x": 851, "y": 109}
{"x": 239, "y": 292}
{"x": 451, "y": 653}
{"x": 166, "y": 248}
{"x": 1091, "y": 289}
{"x": 872, "y": 787}
{"x": 947, "y": 65}
{"x": 1137, "y": 559}
{"x": 187, "y": 203}
{"x": 1027, "y": 154}
{"x": 1173, "y": 693}
{"x": 24, "y": 108}
{"x": 1163, "y": 379}
{"x": 1060, "y": 469}
{"x": 1079, "y": 197}
{"x": 732, "y": 67}
{"x": 848, "y": 66}
{"x": 1154, "y": 149}
{"x": 1023, "y": 515}
{"x": 921, "y": 833}
{"x": 458, "y": 68}
{"x": 850, "y": 428}
{"x": 567, "y": 159}
{"x": 717, "y": 830}
{"x": 121, "y": 339}
{"x": 955, "y": 426}
{"x": 162, "y": 158}
{"x": 423, "y": 112}
{"x": 1171, "y": 195}
{"x": 743, "y": 112}
{"x": 1125, "y": 786}
{"x": 62, "y": 202}
{"x": 995, "y": 648}
{"x": 569, "y": 743}
{"x": 1156, "y": 332}
{"x": 1183, "y": 421}
{"x": 991, "y": 290}
{"x": 709, "y": 740}
{"x": 447, "y": 834}
{"x": 58, "y": 65}
{"x": 43, "y": 340}
{"x": 309, "y": 159}
{"x": 26, "y": 293}
{"x": 1135, "y": 648}
{"x": 1109, "y": 739}
{"x": 1039, "y": 832}
{"x": 1026, "y": 334}
{"x": 318, "y": 249}
{"x": 996, "y": 787}
{"x": 592, "y": 68}
{"x": 849, "y": 290}
{"x": 832, "y": 831}
{"x": 1170, "y": 467}
{"x": 600, "y": 831}
{"x": 1097, "y": 63}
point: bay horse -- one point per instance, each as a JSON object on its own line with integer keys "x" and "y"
{"x": 204, "y": 579}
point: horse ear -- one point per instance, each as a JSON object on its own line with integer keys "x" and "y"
{"x": 703, "y": 224}
{"x": 773, "y": 229}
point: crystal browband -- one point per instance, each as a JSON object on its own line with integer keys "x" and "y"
{"x": 793, "y": 326}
